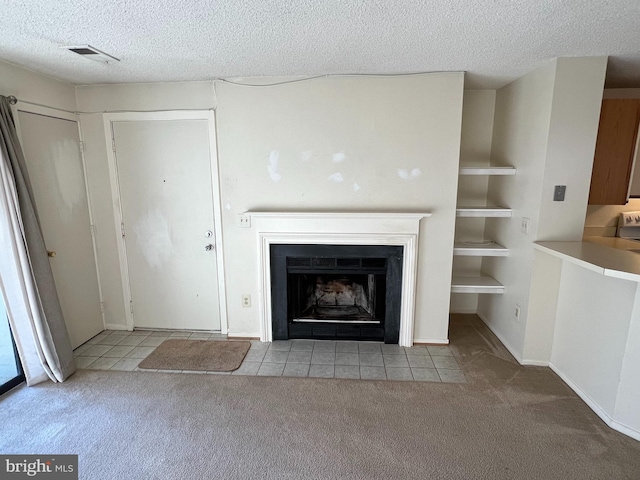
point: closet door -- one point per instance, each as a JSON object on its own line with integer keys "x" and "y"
{"x": 54, "y": 162}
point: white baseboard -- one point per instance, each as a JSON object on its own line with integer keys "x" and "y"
{"x": 534, "y": 363}
{"x": 501, "y": 338}
{"x": 521, "y": 361}
{"x": 463, "y": 310}
{"x": 628, "y": 431}
{"x": 631, "y": 432}
{"x": 606, "y": 418}
{"x": 433, "y": 341}
{"x": 116, "y": 326}
{"x": 242, "y": 334}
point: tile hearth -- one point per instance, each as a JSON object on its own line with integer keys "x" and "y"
{"x": 119, "y": 350}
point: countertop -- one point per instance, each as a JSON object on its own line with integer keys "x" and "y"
{"x": 609, "y": 256}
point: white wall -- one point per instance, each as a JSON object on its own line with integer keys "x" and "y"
{"x": 540, "y": 327}
{"x": 145, "y": 96}
{"x": 280, "y": 147}
{"x": 34, "y": 87}
{"x": 475, "y": 149}
{"x": 380, "y": 125}
{"x": 545, "y": 125}
{"x": 521, "y": 128}
{"x": 575, "y": 115}
{"x": 627, "y": 413}
{"x": 591, "y": 334}
{"x": 129, "y": 97}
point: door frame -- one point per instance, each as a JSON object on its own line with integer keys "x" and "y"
{"x": 108, "y": 120}
{"x": 73, "y": 117}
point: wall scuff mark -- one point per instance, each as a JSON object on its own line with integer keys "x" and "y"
{"x": 153, "y": 238}
{"x": 339, "y": 157}
{"x": 64, "y": 157}
{"x": 406, "y": 175}
{"x": 336, "y": 178}
{"x": 272, "y": 167}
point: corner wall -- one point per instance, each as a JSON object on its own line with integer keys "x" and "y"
{"x": 337, "y": 143}
{"x": 546, "y": 126}
{"x": 520, "y": 134}
{"x": 34, "y": 87}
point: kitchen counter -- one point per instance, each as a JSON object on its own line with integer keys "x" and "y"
{"x": 584, "y": 319}
{"x": 609, "y": 256}
{"x": 615, "y": 242}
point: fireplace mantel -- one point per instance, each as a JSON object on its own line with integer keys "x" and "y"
{"x": 340, "y": 228}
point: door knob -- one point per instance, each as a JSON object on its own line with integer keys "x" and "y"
{"x": 51, "y": 253}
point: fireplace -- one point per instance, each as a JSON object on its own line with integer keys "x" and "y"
{"x": 376, "y": 229}
{"x": 345, "y": 292}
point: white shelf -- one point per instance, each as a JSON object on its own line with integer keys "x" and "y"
{"x": 479, "y": 250}
{"x": 483, "y": 212}
{"x": 482, "y": 284}
{"x": 471, "y": 170}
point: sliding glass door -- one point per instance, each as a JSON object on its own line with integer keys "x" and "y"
{"x": 10, "y": 369}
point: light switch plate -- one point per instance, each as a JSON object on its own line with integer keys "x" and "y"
{"x": 244, "y": 220}
{"x": 558, "y": 193}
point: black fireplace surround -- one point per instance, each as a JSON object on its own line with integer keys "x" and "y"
{"x": 345, "y": 292}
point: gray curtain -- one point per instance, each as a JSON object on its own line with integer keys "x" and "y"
{"x": 49, "y": 330}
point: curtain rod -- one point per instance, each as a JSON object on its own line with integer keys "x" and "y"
{"x": 13, "y": 100}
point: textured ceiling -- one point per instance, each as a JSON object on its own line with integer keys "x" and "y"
{"x": 494, "y": 41}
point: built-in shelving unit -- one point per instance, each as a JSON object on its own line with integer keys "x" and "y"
{"x": 471, "y": 170}
{"x": 483, "y": 212}
{"x": 486, "y": 248}
{"x": 482, "y": 284}
{"x": 480, "y": 249}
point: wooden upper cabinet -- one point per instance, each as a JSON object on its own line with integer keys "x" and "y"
{"x": 615, "y": 149}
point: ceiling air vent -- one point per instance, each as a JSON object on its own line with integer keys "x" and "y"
{"x": 92, "y": 53}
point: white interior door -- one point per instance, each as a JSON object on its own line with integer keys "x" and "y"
{"x": 52, "y": 152}
{"x": 165, "y": 182}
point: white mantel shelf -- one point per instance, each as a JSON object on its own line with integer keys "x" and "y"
{"x": 340, "y": 228}
{"x": 339, "y": 215}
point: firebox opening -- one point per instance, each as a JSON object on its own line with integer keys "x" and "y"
{"x": 335, "y": 298}
{"x": 344, "y": 292}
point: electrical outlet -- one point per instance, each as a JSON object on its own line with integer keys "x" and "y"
{"x": 244, "y": 220}
{"x": 246, "y": 300}
{"x": 524, "y": 226}
{"x": 517, "y": 312}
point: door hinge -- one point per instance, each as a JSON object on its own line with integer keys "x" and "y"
{"x": 131, "y": 306}
{"x": 102, "y": 307}
{"x": 81, "y": 146}
{"x": 122, "y": 229}
{"x": 92, "y": 228}
{"x": 113, "y": 144}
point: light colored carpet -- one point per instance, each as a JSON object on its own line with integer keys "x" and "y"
{"x": 141, "y": 425}
{"x": 200, "y": 355}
